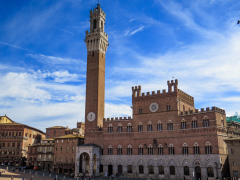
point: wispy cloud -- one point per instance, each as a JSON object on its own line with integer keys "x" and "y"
{"x": 131, "y": 32}
{"x": 14, "y": 46}
{"x": 66, "y": 31}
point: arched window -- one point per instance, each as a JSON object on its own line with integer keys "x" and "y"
{"x": 129, "y": 150}
{"x": 119, "y": 128}
{"x": 208, "y": 148}
{"x": 205, "y": 122}
{"x": 168, "y": 107}
{"x": 150, "y": 169}
{"x": 171, "y": 149}
{"x": 129, "y": 169}
{"x": 141, "y": 169}
{"x": 194, "y": 123}
{"x": 196, "y": 149}
{"x": 170, "y": 125}
{"x": 140, "y": 110}
{"x": 140, "y": 127}
{"x": 119, "y": 150}
{"x": 186, "y": 171}
{"x": 110, "y": 128}
{"x": 160, "y": 149}
{"x": 129, "y": 127}
{"x": 110, "y": 150}
{"x": 161, "y": 169}
{"x": 210, "y": 172}
{"x": 185, "y": 148}
{"x": 159, "y": 126}
{"x": 172, "y": 170}
{"x": 94, "y": 24}
{"x": 183, "y": 124}
{"x": 140, "y": 150}
{"x": 149, "y": 126}
{"x": 150, "y": 150}
{"x": 101, "y": 150}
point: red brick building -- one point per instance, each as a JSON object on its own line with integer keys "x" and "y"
{"x": 14, "y": 140}
{"x": 167, "y": 137}
{"x": 55, "y": 131}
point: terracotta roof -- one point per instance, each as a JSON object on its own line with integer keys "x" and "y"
{"x": 232, "y": 139}
{"x": 69, "y": 136}
{"x": 49, "y": 139}
{"x": 57, "y": 127}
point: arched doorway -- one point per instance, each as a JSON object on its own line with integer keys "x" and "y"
{"x": 119, "y": 169}
{"x": 198, "y": 173}
{"x": 84, "y": 163}
{"x": 110, "y": 169}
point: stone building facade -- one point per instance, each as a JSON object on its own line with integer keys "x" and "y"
{"x": 14, "y": 140}
{"x": 167, "y": 137}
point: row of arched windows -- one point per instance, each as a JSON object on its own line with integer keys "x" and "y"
{"x": 159, "y": 125}
{"x": 171, "y": 150}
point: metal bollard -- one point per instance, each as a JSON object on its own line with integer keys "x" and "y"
{"x": 36, "y": 173}
{"x": 24, "y": 171}
{"x": 43, "y": 174}
{"x": 30, "y": 172}
{"x": 56, "y": 176}
{"x": 63, "y": 177}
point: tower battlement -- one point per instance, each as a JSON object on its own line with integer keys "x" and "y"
{"x": 117, "y": 118}
{"x": 202, "y": 110}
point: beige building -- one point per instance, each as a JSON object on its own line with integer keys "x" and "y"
{"x": 233, "y": 145}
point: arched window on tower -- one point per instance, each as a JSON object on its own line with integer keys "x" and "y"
{"x": 140, "y": 150}
{"x": 160, "y": 149}
{"x": 150, "y": 149}
{"x": 183, "y": 124}
{"x": 110, "y": 150}
{"x": 140, "y": 127}
{"x": 194, "y": 123}
{"x": 129, "y": 127}
{"x": 119, "y": 128}
{"x": 94, "y": 24}
{"x": 159, "y": 126}
{"x": 171, "y": 149}
{"x": 196, "y": 149}
{"x": 119, "y": 150}
{"x": 170, "y": 125}
{"x": 149, "y": 126}
{"x": 208, "y": 148}
{"x": 205, "y": 121}
{"x": 185, "y": 148}
{"x": 129, "y": 150}
{"x": 110, "y": 128}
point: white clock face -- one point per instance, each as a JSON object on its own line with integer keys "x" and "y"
{"x": 154, "y": 107}
{"x": 91, "y": 116}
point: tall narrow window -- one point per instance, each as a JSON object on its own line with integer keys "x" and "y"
{"x": 140, "y": 127}
{"x": 149, "y": 126}
{"x": 183, "y": 124}
{"x": 185, "y": 148}
{"x": 161, "y": 169}
{"x": 110, "y": 128}
{"x": 194, "y": 123}
{"x": 119, "y": 150}
{"x": 141, "y": 169}
{"x": 172, "y": 170}
{"x": 160, "y": 149}
{"x": 140, "y": 110}
{"x": 208, "y": 148}
{"x": 101, "y": 150}
{"x": 129, "y": 169}
{"x": 171, "y": 149}
{"x": 210, "y": 172}
{"x": 205, "y": 122}
{"x": 168, "y": 107}
{"x": 110, "y": 150}
{"x": 196, "y": 149}
{"x": 170, "y": 125}
{"x": 129, "y": 127}
{"x": 129, "y": 150}
{"x": 140, "y": 150}
{"x": 150, "y": 150}
{"x": 186, "y": 171}
{"x": 94, "y": 24}
{"x": 150, "y": 169}
{"x": 119, "y": 128}
{"x": 159, "y": 126}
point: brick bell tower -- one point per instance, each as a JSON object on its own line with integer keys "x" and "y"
{"x": 97, "y": 42}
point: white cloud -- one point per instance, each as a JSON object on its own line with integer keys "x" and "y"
{"x": 131, "y": 32}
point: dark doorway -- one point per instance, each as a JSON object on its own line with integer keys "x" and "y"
{"x": 110, "y": 169}
{"x": 119, "y": 169}
{"x": 198, "y": 173}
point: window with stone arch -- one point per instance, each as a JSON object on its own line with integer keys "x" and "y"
{"x": 161, "y": 169}
{"x": 185, "y": 148}
{"x": 186, "y": 170}
{"x": 119, "y": 128}
{"x": 140, "y": 150}
{"x": 94, "y": 24}
{"x": 129, "y": 169}
{"x": 110, "y": 128}
{"x": 140, "y": 127}
{"x": 150, "y": 169}
{"x": 196, "y": 149}
{"x": 210, "y": 172}
{"x": 194, "y": 123}
{"x": 141, "y": 169}
{"x": 110, "y": 150}
{"x": 172, "y": 170}
{"x": 149, "y": 126}
{"x": 169, "y": 125}
{"x": 183, "y": 124}
{"x": 171, "y": 149}
{"x": 150, "y": 149}
{"x": 205, "y": 121}
{"x": 160, "y": 149}
{"x": 129, "y": 150}
{"x": 159, "y": 126}
{"x": 119, "y": 150}
{"x": 208, "y": 148}
{"x": 129, "y": 127}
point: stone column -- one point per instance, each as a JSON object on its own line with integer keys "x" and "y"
{"x": 91, "y": 166}
{"x": 98, "y": 166}
{"x": 83, "y": 164}
{"x": 156, "y": 171}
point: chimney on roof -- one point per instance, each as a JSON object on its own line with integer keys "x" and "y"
{"x": 67, "y": 127}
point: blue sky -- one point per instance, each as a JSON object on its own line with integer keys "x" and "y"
{"x": 43, "y": 55}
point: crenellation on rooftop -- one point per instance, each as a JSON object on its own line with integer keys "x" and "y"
{"x": 117, "y": 118}
{"x": 202, "y": 110}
